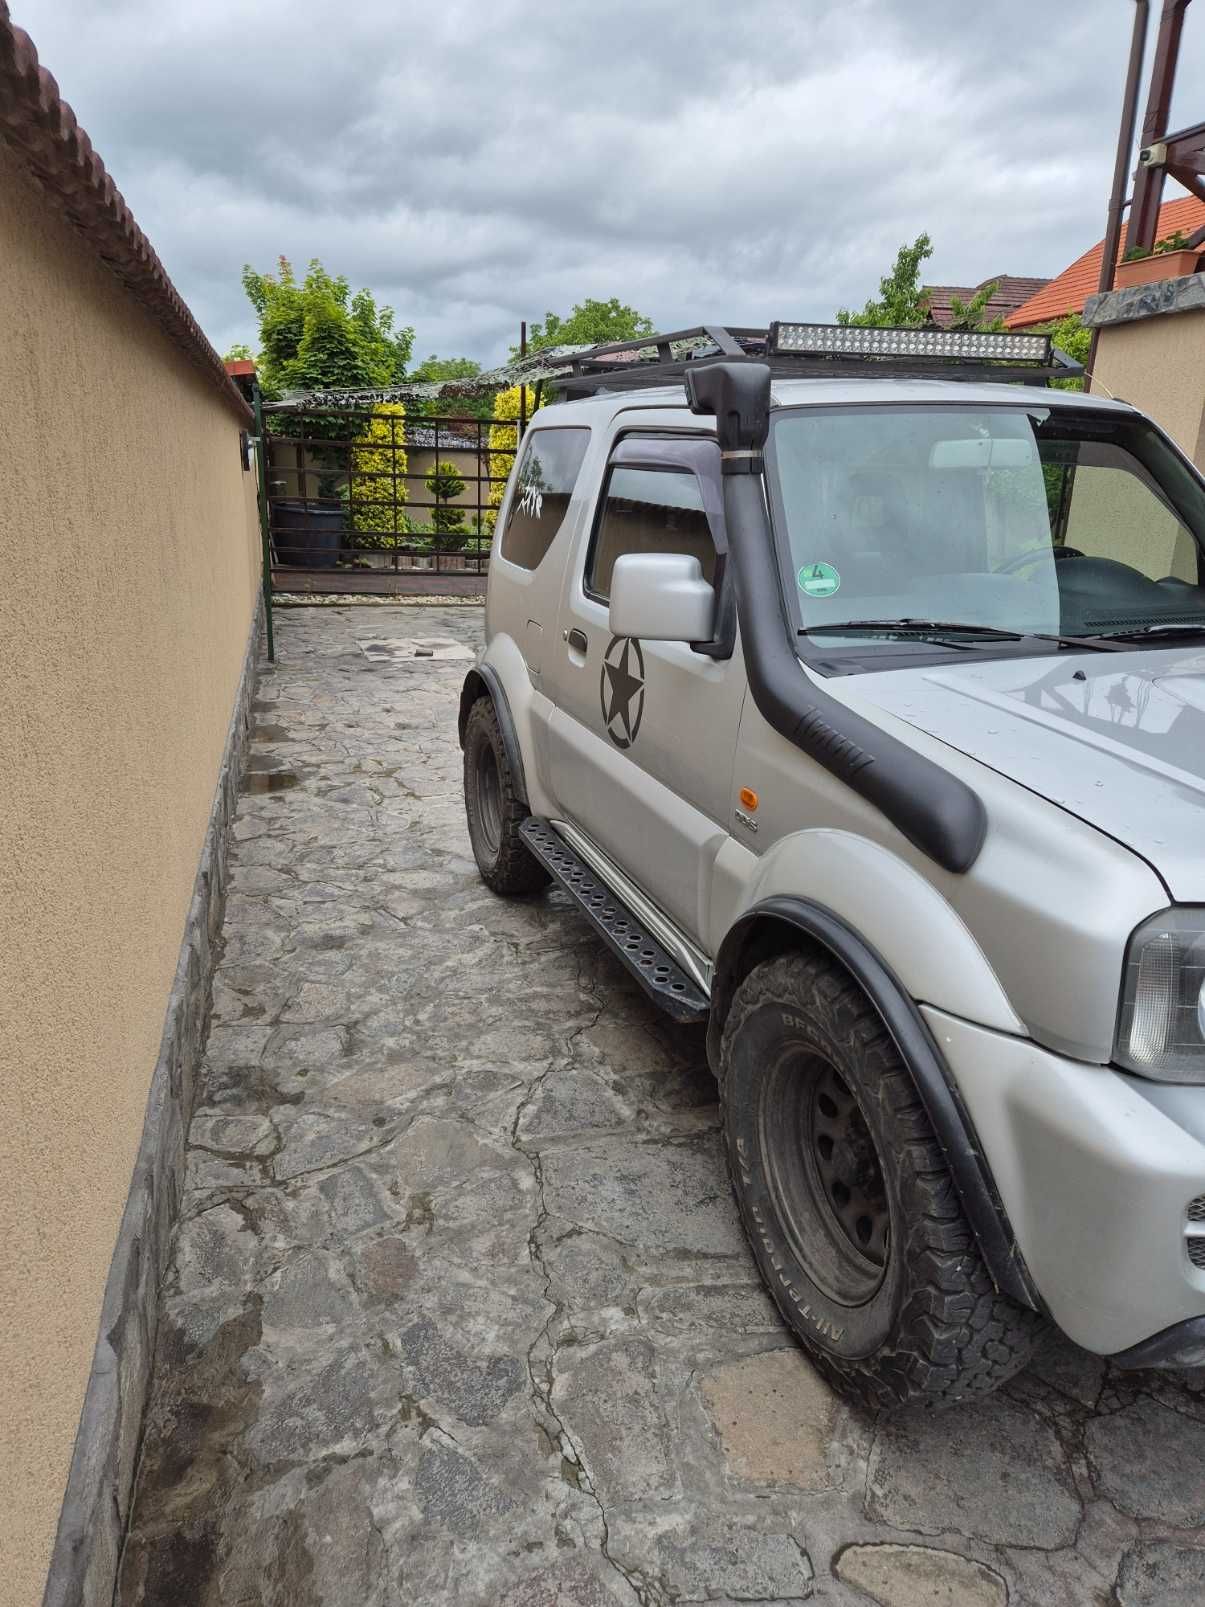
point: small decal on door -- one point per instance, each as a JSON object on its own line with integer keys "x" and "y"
{"x": 621, "y": 690}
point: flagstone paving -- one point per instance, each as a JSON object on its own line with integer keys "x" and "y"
{"x": 460, "y": 1311}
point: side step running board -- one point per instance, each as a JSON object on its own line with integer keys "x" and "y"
{"x": 662, "y": 978}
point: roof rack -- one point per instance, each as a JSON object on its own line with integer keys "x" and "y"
{"x": 819, "y": 351}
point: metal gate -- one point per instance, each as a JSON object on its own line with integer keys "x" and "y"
{"x": 375, "y": 500}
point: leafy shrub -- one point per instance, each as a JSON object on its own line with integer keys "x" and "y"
{"x": 1067, "y": 334}
{"x": 504, "y": 438}
{"x": 444, "y": 481}
{"x": 375, "y": 504}
{"x": 1170, "y": 242}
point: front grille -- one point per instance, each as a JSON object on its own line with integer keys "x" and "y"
{"x": 1196, "y": 1209}
{"x": 1196, "y": 1252}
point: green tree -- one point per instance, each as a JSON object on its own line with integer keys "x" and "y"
{"x": 589, "y": 324}
{"x": 317, "y": 335}
{"x": 901, "y": 301}
{"x": 240, "y": 352}
{"x": 441, "y": 368}
{"x": 973, "y": 314}
{"x": 479, "y": 405}
{"x": 444, "y": 481}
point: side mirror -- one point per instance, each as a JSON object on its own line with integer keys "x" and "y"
{"x": 661, "y": 597}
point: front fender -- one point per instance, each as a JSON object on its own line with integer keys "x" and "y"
{"x": 484, "y": 681}
{"x": 811, "y": 923}
{"x": 892, "y": 907}
{"x": 501, "y": 672}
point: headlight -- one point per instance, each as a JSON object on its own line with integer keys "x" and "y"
{"x": 1161, "y": 1032}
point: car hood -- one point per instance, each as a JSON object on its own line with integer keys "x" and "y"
{"x": 1117, "y": 739}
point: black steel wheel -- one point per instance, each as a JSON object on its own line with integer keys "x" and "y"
{"x": 489, "y": 798}
{"x": 845, "y": 1195}
{"x": 494, "y": 809}
{"x": 823, "y": 1171}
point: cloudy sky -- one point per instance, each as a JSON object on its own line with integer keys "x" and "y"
{"x": 475, "y": 162}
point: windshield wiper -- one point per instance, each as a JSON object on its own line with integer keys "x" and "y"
{"x": 911, "y": 627}
{"x": 1136, "y": 633}
{"x": 941, "y": 627}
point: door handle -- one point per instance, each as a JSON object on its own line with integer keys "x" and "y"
{"x": 578, "y": 641}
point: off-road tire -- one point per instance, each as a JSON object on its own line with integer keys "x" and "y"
{"x": 495, "y": 811}
{"x": 935, "y": 1330}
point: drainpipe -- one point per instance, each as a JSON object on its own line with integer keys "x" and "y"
{"x": 1121, "y": 168}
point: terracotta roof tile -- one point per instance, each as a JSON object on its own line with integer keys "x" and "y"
{"x": 42, "y": 132}
{"x": 1075, "y": 284}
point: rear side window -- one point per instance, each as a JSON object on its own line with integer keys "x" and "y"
{"x": 649, "y": 510}
{"x": 547, "y": 474}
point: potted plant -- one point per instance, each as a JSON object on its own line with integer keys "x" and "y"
{"x": 444, "y": 482}
{"x": 1171, "y": 258}
{"x": 419, "y": 545}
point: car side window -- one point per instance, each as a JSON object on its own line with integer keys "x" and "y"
{"x": 1109, "y": 507}
{"x": 649, "y": 510}
{"x": 547, "y": 473}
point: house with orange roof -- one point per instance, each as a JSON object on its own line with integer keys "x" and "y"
{"x": 1070, "y": 289}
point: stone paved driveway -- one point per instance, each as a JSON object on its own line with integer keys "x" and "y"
{"x": 460, "y": 1310}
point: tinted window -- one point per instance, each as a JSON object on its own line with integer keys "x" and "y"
{"x": 547, "y": 474}
{"x": 650, "y": 510}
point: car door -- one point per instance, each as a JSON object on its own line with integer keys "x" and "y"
{"x": 642, "y": 739}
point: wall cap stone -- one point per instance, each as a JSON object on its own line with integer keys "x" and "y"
{"x": 42, "y": 132}
{"x": 1186, "y": 294}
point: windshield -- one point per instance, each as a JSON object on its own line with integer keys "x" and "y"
{"x": 1034, "y": 521}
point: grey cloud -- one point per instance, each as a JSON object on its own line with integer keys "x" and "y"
{"x": 475, "y": 163}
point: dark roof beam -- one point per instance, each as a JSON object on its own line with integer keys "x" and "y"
{"x": 1148, "y": 186}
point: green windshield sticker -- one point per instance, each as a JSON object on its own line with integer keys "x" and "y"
{"x": 818, "y": 580}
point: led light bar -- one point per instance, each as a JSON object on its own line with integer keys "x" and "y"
{"x": 846, "y": 340}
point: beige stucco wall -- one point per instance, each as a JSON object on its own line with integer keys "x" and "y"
{"x": 1158, "y": 364}
{"x": 469, "y": 467}
{"x": 129, "y": 542}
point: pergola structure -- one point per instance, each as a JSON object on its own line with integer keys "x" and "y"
{"x": 1182, "y": 154}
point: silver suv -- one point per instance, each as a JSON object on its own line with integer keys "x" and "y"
{"x": 853, "y": 684}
